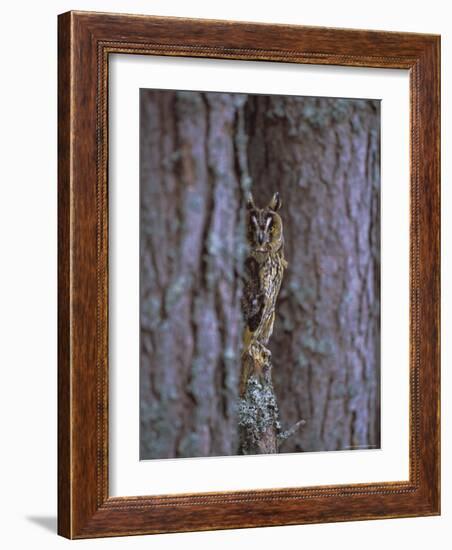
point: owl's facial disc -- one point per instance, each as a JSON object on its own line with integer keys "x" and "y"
{"x": 261, "y": 226}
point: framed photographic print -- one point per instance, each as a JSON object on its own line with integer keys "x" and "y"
{"x": 248, "y": 275}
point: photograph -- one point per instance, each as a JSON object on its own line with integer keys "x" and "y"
{"x": 225, "y": 232}
{"x": 259, "y": 274}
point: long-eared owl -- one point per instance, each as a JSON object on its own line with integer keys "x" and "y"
{"x": 264, "y": 268}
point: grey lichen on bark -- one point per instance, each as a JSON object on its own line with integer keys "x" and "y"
{"x": 258, "y": 414}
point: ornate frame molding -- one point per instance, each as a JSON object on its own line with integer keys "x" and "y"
{"x": 85, "y": 42}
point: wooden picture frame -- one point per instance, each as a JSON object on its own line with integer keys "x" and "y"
{"x": 85, "y": 42}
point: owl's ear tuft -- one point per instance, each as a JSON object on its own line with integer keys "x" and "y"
{"x": 250, "y": 202}
{"x": 276, "y": 203}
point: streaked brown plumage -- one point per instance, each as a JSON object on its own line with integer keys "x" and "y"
{"x": 264, "y": 269}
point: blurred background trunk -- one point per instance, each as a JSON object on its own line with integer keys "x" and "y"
{"x": 192, "y": 245}
{"x": 200, "y": 153}
{"x": 323, "y": 155}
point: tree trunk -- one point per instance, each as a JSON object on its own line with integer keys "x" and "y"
{"x": 258, "y": 413}
{"x": 192, "y": 182}
{"x": 322, "y": 155}
{"x": 200, "y": 153}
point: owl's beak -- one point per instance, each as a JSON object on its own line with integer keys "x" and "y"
{"x": 261, "y": 238}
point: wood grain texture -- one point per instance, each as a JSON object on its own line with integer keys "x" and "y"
{"x": 85, "y": 42}
{"x": 64, "y": 295}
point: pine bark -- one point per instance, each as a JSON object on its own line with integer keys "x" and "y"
{"x": 323, "y": 157}
{"x": 192, "y": 185}
{"x": 200, "y": 153}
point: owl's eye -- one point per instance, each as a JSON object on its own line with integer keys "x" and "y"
{"x": 269, "y": 224}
